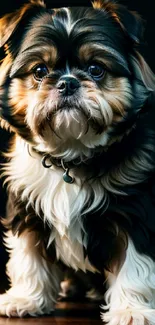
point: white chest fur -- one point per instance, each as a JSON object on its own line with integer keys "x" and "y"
{"x": 62, "y": 204}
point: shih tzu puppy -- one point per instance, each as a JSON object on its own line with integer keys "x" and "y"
{"x": 79, "y": 100}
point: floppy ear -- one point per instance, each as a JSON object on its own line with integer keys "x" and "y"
{"x": 130, "y": 22}
{"x": 10, "y": 21}
{"x": 8, "y": 25}
{"x": 143, "y": 82}
{"x": 143, "y": 72}
{"x": 132, "y": 27}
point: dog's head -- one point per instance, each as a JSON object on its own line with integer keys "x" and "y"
{"x": 72, "y": 80}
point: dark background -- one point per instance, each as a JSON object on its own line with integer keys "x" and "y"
{"x": 146, "y": 10}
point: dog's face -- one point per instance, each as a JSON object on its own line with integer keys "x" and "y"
{"x": 70, "y": 78}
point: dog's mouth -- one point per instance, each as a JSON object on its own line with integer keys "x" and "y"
{"x": 73, "y": 125}
{"x": 68, "y": 129}
{"x": 68, "y": 103}
{"x": 68, "y": 118}
{"x": 92, "y": 120}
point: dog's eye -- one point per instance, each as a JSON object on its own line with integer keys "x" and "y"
{"x": 96, "y": 71}
{"x": 40, "y": 71}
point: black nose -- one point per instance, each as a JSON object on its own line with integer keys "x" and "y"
{"x": 67, "y": 85}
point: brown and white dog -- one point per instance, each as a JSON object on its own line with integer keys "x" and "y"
{"x": 79, "y": 99}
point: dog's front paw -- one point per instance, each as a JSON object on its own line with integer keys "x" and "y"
{"x": 19, "y": 306}
{"x": 129, "y": 316}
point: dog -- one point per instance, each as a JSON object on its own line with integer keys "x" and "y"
{"x": 78, "y": 97}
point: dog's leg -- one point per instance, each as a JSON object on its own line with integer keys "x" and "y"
{"x": 34, "y": 281}
{"x": 131, "y": 296}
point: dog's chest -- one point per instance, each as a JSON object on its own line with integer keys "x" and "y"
{"x": 66, "y": 202}
{"x": 61, "y": 205}
{"x": 70, "y": 249}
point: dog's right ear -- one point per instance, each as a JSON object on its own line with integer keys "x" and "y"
{"x": 9, "y": 25}
{"x": 10, "y": 21}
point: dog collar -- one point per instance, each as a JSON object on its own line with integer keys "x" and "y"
{"x": 48, "y": 161}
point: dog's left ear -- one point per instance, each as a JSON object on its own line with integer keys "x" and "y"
{"x": 10, "y": 21}
{"x": 130, "y": 22}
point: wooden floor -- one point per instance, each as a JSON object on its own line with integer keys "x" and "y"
{"x": 51, "y": 320}
{"x": 66, "y": 313}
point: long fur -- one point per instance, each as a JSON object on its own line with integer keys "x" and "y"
{"x": 102, "y": 137}
{"x": 129, "y": 289}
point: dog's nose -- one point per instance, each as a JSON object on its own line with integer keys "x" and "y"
{"x": 67, "y": 85}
